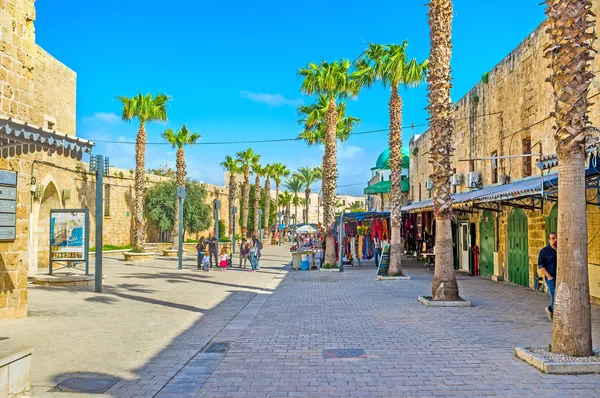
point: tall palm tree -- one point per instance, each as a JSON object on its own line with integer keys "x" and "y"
{"x": 302, "y": 202}
{"x": 570, "y": 25}
{"x": 333, "y": 81}
{"x": 309, "y": 176}
{"x": 179, "y": 139}
{"x": 294, "y": 184}
{"x": 246, "y": 159}
{"x": 233, "y": 167}
{"x": 441, "y": 123}
{"x": 285, "y": 200}
{"x": 267, "y": 173}
{"x": 279, "y": 170}
{"x": 389, "y": 64}
{"x": 146, "y": 109}
{"x": 257, "y": 170}
{"x": 314, "y": 119}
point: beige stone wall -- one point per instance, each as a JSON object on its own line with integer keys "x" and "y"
{"x": 495, "y": 117}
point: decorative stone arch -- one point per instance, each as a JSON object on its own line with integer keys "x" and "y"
{"x": 39, "y": 233}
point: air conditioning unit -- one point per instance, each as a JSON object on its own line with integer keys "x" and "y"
{"x": 473, "y": 179}
{"x": 429, "y": 185}
{"x": 456, "y": 179}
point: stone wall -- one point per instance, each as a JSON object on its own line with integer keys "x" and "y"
{"x": 506, "y": 107}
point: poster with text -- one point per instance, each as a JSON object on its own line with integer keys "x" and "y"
{"x": 68, "y": 235}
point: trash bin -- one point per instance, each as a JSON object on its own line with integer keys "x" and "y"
{"x": 304, "y": 263}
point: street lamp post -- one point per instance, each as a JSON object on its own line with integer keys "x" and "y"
{"x": 260, "y": 233}
{"x": 280, "y": 221}
{"x": 180, "y": 198}
{"x": 233, "y": 211}
{"x": 217, "y": 204}
{"x": 99, "y": 165}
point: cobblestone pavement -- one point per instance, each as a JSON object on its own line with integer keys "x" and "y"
{"x": 270, "y": 342}
{"x": 150, "y": 320}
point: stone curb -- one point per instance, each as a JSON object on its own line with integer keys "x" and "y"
{"x": 431, "y": 303}
{"x": 329, "y": 269}
{"x": 138, "y": 257}
{"x": 393, "y": 278}
{"x": 546, "y": 366}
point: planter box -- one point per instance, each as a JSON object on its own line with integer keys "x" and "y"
{"x": 65, "y": 280}
{"x": 329, "y": 269}
{"x": 138, "y": 257}
{"x": 393, "y": 278}
{"x": 15, "y": 370}
{"x": 547, "y": 366}
{"x": 430, "y": 303}
{"x": 170, "y": 253}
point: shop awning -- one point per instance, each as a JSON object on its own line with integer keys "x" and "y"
{"x": 384, "y": 187}
{"x": 17, "y": 138}
{"x": 367, "y": 215}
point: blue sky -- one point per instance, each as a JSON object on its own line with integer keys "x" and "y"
{"x": 231, "y": 66}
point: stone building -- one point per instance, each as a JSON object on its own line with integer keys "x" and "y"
{"x": 379, "y": 186}
{"x": 504, "y": 180}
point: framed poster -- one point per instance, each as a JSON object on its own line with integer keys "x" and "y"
{"x": 384, "y": 261}
{"x": 69, "y": 235}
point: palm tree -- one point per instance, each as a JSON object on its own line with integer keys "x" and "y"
{"x": 146, "y": 109}
{"x": 180, "y": 139}
{"x": 279, "y": 170}
{"x": 355, "y": 207}
{"x": 309, "y": 176}
{"x": 257, "y": 170}
{"x": 246, "y": 159}
{"x": 441, "y": 123}
{"x": 294, "y": 184}
{"x": 233, "y": 167}
{"x": 570, "y": 25}
{"x": 334, "y": 82}
{"x": 267, "y": 173}
{"x": 285, "y": 200}
{"x": 302, "y": 202}
{"x": 389, "y": 64}
{"x": 313, "y": 118}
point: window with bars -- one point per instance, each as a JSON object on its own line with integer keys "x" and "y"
{"x": 494, "y": 167}
{"x": 107, "y": 201}
{"x": 527, "y": 159}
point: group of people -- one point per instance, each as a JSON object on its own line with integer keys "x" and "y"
{"x": 250, "y": 250}
{"x": 207, "y": 250}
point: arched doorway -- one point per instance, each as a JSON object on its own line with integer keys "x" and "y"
{"x": 486, "y": 244}
{"x": 518, "y": 248}
{"x": 50, "y": 200}
{"x": 552, "y": 221}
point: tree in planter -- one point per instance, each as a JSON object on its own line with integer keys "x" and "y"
{"x": 285, "y": 200}
{"x": 389, "y": 64}
{"x": 333, "y": 81}
{"x": 232, "y": 166}
{"x": 261, "y": 206}
{"x": 197, "y": 214}
{"x": 571, "y": 30}
{"x": 279, "y": 170}
{"x": 246, "y": 159}
{"x": 295, "y": 185}
{"x": 441, "y": 123}
{"x": 145, "y": 108}
{"x": 267, "y": 173}
{"x": 258, "y": 172}
{"x": 179, "y": 140}
{"x": 308, "y": 176}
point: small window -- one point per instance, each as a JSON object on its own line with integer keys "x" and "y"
{"x": 527, "y": 159}
{"x": 494, "y": 167}
{"x": 50, "y": 125}
{"x": 107, "y": 201}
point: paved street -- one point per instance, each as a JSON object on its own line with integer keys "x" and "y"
{"x": 168, "y": 333}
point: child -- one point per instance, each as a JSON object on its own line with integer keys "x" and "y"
{"x": 223, "y": 258}
{"x": 206, "y": 262}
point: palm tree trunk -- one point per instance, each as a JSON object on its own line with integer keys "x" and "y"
{"x": 441, "y": 122}
{"x": 295, "y": 210}
{"x": 245, "y": 201}
{"x": 306, "y": 200}
{"x": 232, "y": 201}
{"x": 267, "y": 205}
{"x": 256, "y": 205}
{"x": 277, "y": 196}
{"x": 329, "y": 182}
{"x": 570, "y": 25}
{"x": 140, "y": 189}
{"x": 180, "y": 180}
{"x": 395, "y": 138}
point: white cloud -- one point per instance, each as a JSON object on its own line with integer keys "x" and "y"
{"x": 272, "y": 100}
{"x": 348, "y": 152}
{"x": 104, "y": 117}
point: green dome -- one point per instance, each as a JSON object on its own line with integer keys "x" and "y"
{"x": 383, "y": 161}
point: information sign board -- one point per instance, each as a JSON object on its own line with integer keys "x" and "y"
{"x": 68, "y": 235}
{"x": 384, "y": 261}
{"x": 8, "y": 220}
{"x": 8, "y": 205}
{"x": 8, "y": 233}
{"x": 8, "y": 177}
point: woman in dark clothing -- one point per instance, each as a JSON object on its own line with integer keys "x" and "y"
{"x": 200, "y": 249}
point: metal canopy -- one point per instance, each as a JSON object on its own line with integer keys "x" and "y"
{"x": 18, "y": 138}
{"x": 367, "y": 215}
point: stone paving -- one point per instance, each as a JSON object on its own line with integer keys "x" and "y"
{"x": 276, "y": 336}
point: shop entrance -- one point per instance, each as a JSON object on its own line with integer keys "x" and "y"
{"x": 518, "y": 248}
{"x": 487, "y": 238}
{"x": 464, "y": 247}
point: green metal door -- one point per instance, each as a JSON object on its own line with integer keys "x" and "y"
{"x": 486, "y": 244}
{"x": 552, "y": 221}
{"x": 518, "y": 248}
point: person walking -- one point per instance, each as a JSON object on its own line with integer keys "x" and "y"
{"x": 200, "y": 249}
{"x": 255, "y": 247}
{"x": 212, "y": 248}
{"x": 223, "y": 258}
{"x": 377, "y": 249}
{"x": 244, "y": 252}
{"x": 547, "y": 264}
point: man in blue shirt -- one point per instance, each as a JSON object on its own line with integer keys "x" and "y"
{"x": 547, "y": 264}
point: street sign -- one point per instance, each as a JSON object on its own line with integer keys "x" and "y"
{"x": 180, "y": 192}
{"x": 8, "y": 177}
{"x": 8, "y": 233}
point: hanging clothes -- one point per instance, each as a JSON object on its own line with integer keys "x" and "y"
{"x": 351, "y": 228}
{"x": 385, "y": 232}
